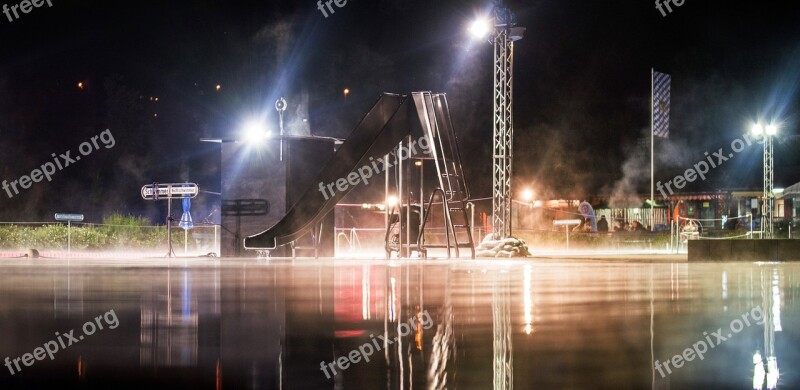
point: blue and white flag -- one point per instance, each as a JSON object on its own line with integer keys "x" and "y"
{"x": 587, "y": 211}
{"x": 186, "y": 218}
{"x": 661, "y": 95}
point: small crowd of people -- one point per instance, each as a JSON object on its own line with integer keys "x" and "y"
{"x": 619, "y": 226}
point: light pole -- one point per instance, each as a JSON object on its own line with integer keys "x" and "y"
{"x": 280, "y": 106}
{"x": 768, "y": 196}
{"x": 503, "y": 32}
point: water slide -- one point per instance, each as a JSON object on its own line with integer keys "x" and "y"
{"x": 376, "y": 135}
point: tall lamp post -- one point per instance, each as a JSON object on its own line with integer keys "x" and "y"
{"x": 503, "y": 32}
{"x": 768, "y": 197}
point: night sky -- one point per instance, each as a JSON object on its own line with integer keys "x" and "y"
{"x": 582, "y": 89}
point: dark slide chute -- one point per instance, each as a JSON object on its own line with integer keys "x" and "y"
{"x": 377, "y": 134}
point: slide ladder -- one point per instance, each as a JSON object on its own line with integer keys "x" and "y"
{"x": 437, "y": 126}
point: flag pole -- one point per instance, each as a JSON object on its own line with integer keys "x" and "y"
{"x": 652, "y": 143}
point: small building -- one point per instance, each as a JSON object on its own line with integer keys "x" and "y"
{"x": 711, "y": 209}
{"x": 787, "y": 203}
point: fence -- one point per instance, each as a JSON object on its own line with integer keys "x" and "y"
{"x": 684, "y": 229}
{"x": 86, "y": 237}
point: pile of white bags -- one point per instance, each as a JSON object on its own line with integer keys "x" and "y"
{"x": 507, "y": 247}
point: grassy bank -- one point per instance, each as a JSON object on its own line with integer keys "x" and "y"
{"x": 116, "y": 232}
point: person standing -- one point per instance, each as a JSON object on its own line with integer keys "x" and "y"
{"x": 602, "y": 225}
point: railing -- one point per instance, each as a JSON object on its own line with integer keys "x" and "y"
{"x": 684, "y": 229}
{"x": 16, "y": 237}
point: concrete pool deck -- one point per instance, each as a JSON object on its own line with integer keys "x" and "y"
{"x": 550, "y": 255}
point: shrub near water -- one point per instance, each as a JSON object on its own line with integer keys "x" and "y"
{"x": 116, "y": 232}
{"x": 50, "y": 237}
{"x": 12, "y": 236}
{"x": 90, "y": 237}
{"x": 125, "y": 231}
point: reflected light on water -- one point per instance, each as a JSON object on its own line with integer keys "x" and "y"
{"x": 527, "y": 292}
{"x": 758, "y": 371}
{"x": 235, "y": 323}
{"x": 772, "y": 373}
{"x": 771, "y": 302}
{"x": 392, "y": 299}
{"x": 776, "y": 301}
{"x": 365, "y": 293}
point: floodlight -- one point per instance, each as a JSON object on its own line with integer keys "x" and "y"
{"x": 527, "y": 195}
{"x": 480, "y": 28}
{"x": 255, "y": 131}
{"x": 771, "y": 129}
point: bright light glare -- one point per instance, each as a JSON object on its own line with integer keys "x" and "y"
{"x": 772, "y": 130}
{"x": 391, "y": 201}
{"x": 527, "y": 195}
{"x": 772, "y": 373}
{"x": 255, "y": 131}
{"x": 479, "y": 28}
{"x": 757, "y": 129}
{"x": 758, "y": 371}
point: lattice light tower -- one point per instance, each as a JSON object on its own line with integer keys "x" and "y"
{"x": 768, "y": 197}
{"x": 505, "y": 33}
{"x": 769, "y": 185}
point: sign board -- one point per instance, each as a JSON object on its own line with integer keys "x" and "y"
{"x": 69, "y": 217}
{"x": 157, "y": 191}
{"x": 562, "y": 222}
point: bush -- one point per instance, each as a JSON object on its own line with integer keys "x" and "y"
{"x": 127, "y": 231}
{"x": 23, "y": 237}
{"x": 90, "y": 237}
{"x": 117, "y": 232}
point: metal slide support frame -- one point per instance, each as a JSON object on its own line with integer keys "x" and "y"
{"x": 387, "y": 210}
{"x": 407, "y": 194}
{"x": 401, "y": 200}
{"x": 403, "y": 187}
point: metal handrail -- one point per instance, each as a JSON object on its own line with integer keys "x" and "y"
{"x": 448, "y": 227}
{"x": 454, "y": 145}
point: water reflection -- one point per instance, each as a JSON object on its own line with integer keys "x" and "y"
{"x": 169, "y": 325}
{"x": 527, "y": 294}
{"x": 771, "y": 295}
{"x": 443, "y": 344}
{"x": 502, "y": 334}
{"x": 244, "y": 324}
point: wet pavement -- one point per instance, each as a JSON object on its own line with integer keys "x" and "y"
{"x": 361, "y": 324}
